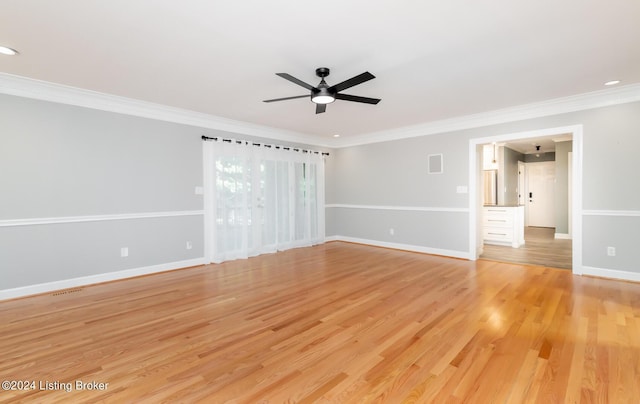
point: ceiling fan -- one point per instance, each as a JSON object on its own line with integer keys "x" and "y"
{"x": 324, "y": 94}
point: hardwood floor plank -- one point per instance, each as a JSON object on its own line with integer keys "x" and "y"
{"x": 540, "y": 248}
{"x": 333, "y": 323}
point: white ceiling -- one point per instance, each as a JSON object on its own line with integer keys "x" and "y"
{"x": 530, "y": 145}
{"x": 433, "y": 60}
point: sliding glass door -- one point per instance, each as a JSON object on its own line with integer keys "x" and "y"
{"x": 260, "y": 200}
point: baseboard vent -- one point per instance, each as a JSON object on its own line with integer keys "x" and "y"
{"x": 66, "y": 292}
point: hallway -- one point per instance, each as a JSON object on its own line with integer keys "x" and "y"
{"x": 540, "y": 248}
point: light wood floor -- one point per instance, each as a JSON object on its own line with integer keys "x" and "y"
{"x": 338, "y": 323}
{"x": 540, "y": 248}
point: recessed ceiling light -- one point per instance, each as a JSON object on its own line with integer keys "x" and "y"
{"x": 336, "y": 135}
{"x": 611, "y": 83}
{"x": 8, "y": 51}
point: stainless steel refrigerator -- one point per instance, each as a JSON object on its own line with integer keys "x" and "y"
{"x": 490, "y": 187}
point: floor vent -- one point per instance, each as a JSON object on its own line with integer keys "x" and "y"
{"x": 66, "y": 292}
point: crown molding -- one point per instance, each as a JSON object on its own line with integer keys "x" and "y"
{"x": 579, "y": 102}
{"x": 46, "y": 91}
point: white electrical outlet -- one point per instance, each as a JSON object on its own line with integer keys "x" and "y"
{"x": 189, "y": 245}
{"x": 611, "y": 251}
{"x": 199, "y": 190}
{"x": 124, "y": 252}
{"x": 392, "y": 231}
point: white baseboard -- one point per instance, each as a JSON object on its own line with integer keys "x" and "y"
{"x": 99, "y": 278}
{"x": 405, "y": 247}
{"x": 611, "y": 273}
{"x": 563, "y": 236}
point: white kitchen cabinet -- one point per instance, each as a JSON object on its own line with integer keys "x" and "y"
{"x": 503, "y": 225}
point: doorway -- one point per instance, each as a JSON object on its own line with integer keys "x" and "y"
{"x": 475, "y": 182}
{"x": 540, "y": 248}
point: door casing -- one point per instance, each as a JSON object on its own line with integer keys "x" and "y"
{"x": 475, "y": 200}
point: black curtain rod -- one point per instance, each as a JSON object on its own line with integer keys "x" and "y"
{"x": 265, "y": 145}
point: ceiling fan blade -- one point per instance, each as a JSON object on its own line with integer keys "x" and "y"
{"x": 286, "y": 98}
{"x": 320, "y": 108}
{"x": 353, "y": 81}
{"x": 292, "y": 79}
{"x": 355, "y": 98}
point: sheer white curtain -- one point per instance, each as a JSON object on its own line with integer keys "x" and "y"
{"x": 260, "y": 199}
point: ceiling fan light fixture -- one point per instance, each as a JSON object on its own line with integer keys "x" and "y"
{"x": 8, "y": 51}
{"x": 322, "y": 99}
{"x": 322, "y": 94}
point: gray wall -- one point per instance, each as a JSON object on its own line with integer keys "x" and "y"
{"x": 394, "y": 173}
{"x": 63, "y": 161}
{"x": 508, "y": 176}
{"x": 561, "y": 191}
{"x": 60, "y": 161}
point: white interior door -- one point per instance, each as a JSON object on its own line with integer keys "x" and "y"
{"x": 541, "y": 178}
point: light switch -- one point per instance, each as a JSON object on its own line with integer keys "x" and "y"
{"x": 462, "y": 189}
{"x": 199, "y": 190}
